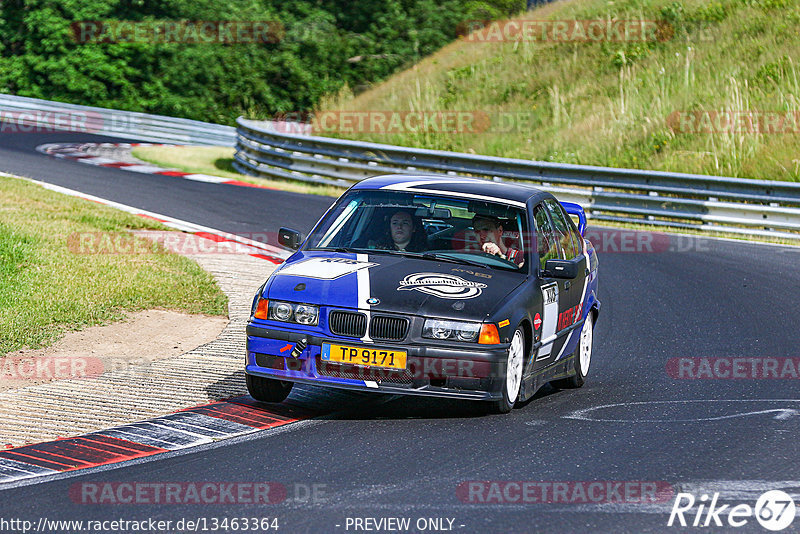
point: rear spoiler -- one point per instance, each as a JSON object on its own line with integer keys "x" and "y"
{"x": 577, "y": 210}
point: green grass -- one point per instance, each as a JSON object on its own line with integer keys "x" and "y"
{"x": 218, "y": 161}
{"x": 608, "y": 103}
{"x": 46, "y": 289}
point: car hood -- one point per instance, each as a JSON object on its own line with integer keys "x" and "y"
{"x": 392, "y": 283}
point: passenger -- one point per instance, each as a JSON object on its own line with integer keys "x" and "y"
{"x": 490, "y": 238}
{"x": 405, "y": 233}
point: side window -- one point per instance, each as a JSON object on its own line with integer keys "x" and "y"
{"x": 561, "y": 227}
{"x": 577, "y": 240}
{"x": 546, "y": 243}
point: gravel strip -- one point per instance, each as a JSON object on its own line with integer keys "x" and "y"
{"x": 211, "y": 372}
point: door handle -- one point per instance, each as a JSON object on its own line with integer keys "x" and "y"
{"x": 567, "y": 283}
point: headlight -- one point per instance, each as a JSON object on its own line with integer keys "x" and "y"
{"x": 305, "y": 314}
{"x": 281, "y": 311}
{"x": 289, "y": 312}
{"x": 453, "y": 330}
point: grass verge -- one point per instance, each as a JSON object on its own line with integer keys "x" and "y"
{"x": 218, "y": 161}
{"x": 728, "y": 67}
{"x": 47, "y": 289}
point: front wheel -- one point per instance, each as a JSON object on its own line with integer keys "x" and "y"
{"x": 268, "y": 389}
{"x": 582, "y": 359}
{"x": 513, "y": 377}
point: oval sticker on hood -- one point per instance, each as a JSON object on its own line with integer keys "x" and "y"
{"x": 446, "y": 286}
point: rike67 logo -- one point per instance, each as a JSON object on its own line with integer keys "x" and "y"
{"x": 774, "y": 510}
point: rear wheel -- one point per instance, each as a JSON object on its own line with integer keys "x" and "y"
{"x": 268, "y": 389}
{"x": 513, "y": 377}
{"x": 582, "y": 358}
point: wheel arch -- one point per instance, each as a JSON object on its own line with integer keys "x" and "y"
{"x": 527, "y": 331}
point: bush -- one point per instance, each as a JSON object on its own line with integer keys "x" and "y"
{"x": 324, "y": 46}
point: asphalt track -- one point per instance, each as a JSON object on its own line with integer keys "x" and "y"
{"x": 406, "y": 457}
{"x": 229, "y": 208}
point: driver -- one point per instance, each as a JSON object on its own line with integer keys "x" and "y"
{"x": 490, "y": 238}
{"x": 405, "y": 233}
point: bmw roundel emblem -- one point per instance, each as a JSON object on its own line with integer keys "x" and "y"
{"x": 373, "y": 301}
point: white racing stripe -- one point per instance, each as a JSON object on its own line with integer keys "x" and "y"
{"x": 363, "y": 292}
{"x": 577, "y": 331}
{"x": 325, "y": 268}
{"x": 549, "y": 321}
{"x": 414, "y": 187}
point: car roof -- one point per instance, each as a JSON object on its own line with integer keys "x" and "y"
{"x": 509, "y": 192}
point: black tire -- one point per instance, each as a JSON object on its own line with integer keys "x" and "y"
{"x": 514, "y": 366}
{"x": 581, "y": 359}
{"x": 268, "y": 389}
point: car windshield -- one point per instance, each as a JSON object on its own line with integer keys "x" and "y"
{"x": 436, "y": 227}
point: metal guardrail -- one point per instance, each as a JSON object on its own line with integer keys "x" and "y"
{"x": 708, "y": 203}
{"x": 24, "y": 114}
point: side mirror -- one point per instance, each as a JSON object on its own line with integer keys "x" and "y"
{"x": 561, "y": 269}
{"x": 289, "y": 238}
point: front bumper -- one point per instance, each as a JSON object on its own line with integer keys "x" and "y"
{"x": 434, "y": 370}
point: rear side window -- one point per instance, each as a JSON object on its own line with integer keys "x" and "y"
{"x": 546, "y": 243}
{"x": 568, "y": 243}
{"x": 577, "y": 240}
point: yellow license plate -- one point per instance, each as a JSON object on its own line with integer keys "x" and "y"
{"x": 367, "y": 356}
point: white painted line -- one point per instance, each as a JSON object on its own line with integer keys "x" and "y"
{"x": 740, "y": 490}
{"x": 14, "y": 470}
{"x": 205, "y": 178}
{"x": 145, "y": 169}
{"x": 97, "y": 160}
{"x": 202, "y": 424}
{"x": 782, "y": 412}
{"x": 155, "y": 436}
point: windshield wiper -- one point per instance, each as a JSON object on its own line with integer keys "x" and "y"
{"x": 425, "y": 255}
{"x": 457, "y": 259}
{"x": 452, "y": 259}
{"x": 434, "y": 256}
{"x": 349, "y": 250}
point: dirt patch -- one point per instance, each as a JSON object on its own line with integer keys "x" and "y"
{"x": 143, "y": 337}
